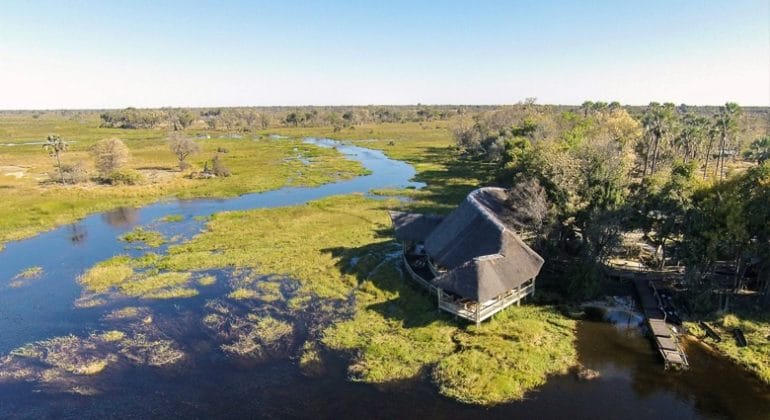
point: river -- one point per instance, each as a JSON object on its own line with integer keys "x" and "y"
{"x": 631, "y": 384}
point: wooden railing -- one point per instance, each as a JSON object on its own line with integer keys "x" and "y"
{"x": 478, "y": 312}
{"x": 471, "y": 310}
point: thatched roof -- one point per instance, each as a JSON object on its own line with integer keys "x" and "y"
{"x": 482, "y": 254}
{"x": 413, "y": 227}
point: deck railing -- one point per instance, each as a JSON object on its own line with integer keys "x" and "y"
{"x": 478, "y": 312}
{"x": 472, "y": 310}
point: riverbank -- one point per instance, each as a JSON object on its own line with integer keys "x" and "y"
{"x": 33, "y": 204}
{"x": 338, "y": 250}
{"x": 755, "y": 357}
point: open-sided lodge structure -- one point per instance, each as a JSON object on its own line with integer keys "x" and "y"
{"x": 471, "y": 259}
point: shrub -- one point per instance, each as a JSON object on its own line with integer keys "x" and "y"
{"x": 70, "y": 173}
{"x": 110, "y": 155}
{"x": 218, "y": 168}
{"x": 123, "y": 177}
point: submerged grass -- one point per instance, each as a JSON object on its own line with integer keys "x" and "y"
{"x": 151, "y": 238}
{"x": 107, "y": 274}
{"x": 341, "y": 246}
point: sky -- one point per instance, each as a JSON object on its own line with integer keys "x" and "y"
{"x": 115, "y": 54}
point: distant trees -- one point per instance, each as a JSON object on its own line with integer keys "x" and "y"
{"x": 182, "y": 146}
{"x": 726, "y": 122}
{"x": 658, "y": 122}
{"x": 110, "y": 155}
{"x": 759, "y": 150}
{"x": 55, "y": 146}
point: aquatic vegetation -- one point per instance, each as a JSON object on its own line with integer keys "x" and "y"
{"x": 117, "y": 275}
{"x": 143, "y": 350}
{"x": 163, "y": 285}
{"x": 172, "y": 293}
{"x": 248, "y": 284}
{"x": 22, "y": 279}
{"x": 394, "y": 331}
{"x": 247, "y": 334}
{"x": 129, "y": 312}
{"x": 30, "y": 272}
{"x": 172, "y": 218}
{"x": 207, "y": 280}
{"x": 310, "y": 361}
{"x": 107, "y": 274}
{"x": 71, "y": 354}
{"x": 112, "y": 335}
{"x": 151, "y": 238}
{"x": 241, "y": 294}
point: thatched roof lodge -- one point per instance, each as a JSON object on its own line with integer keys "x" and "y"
{"x": 472, "y": 259}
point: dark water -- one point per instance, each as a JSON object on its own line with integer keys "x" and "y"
{"x": 207, "y": 382}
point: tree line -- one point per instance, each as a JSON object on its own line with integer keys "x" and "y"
{"x": 694, "y": 182}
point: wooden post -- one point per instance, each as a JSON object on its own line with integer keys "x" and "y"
{"x": 438, "y": 294}
{"x": 478, "y": 308}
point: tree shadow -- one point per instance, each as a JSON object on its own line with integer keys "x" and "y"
{"x": 449, "y": 185}
{"x": 381, "y": 264}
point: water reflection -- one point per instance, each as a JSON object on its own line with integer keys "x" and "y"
{"x": 78, "y": 233}
{"x": 121, "y": 217}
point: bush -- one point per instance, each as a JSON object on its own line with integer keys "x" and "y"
{"x": 123, "y": 177}
{"x": 110, "y": 155}
{"x": 72, "y": 174}
{"x": 218, "y": 167}
{"x": 222, "y": 150}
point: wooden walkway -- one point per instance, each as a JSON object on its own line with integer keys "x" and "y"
{"x": 665, "y": 338}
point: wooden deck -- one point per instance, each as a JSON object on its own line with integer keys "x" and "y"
{"x": 665, "y": 339}
{"x": 471, "y": 310}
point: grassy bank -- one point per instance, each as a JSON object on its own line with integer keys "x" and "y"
{"x": 341, "y": 252}
{"x": 32, "y": 203}
{"x": 340, "y": 248}
{"x": 755, "y": 357}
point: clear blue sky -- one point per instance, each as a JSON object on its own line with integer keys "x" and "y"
{"x": 97, "y": 54}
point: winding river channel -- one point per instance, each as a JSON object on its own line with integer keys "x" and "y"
{"x": 631, "y": 384}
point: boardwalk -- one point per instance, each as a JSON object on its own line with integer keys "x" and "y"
{"x": 665, "y": 338}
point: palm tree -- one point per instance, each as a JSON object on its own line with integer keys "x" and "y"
{"x": 658, "y": 122}
{"x": 55, "y": 147}
{"x": 727, "y": 123}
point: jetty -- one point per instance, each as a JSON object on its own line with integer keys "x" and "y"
{"x": 663, "y": 332}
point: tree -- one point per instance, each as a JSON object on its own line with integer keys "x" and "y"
{"x": 528, "y": 205}
{"x": 759, "y": 150}
{"x": 727, "y": 123}
{"x": 110, "y": 155}
{"x": 181, "y": 119}
{"x": 658, "y": 122}
{"x": 55, "y": 147}
{"x": 183, "y": 146}
{"x": 694, "y": 131}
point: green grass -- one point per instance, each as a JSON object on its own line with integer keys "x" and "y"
{"x": 172, "y": 218}
{"x": 150, "y": 237}
{"x": 396, "y": 332}
{"x": 31, "y": 204}
{"x": 756, "y": 327}
{"x": 30, "y": 273}
{"x": 118, "y": 275}
{"x": 106, "y": 275}
{"x": 24, "y": 276}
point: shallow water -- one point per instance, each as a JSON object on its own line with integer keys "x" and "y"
{"x": 207, "y": 382}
